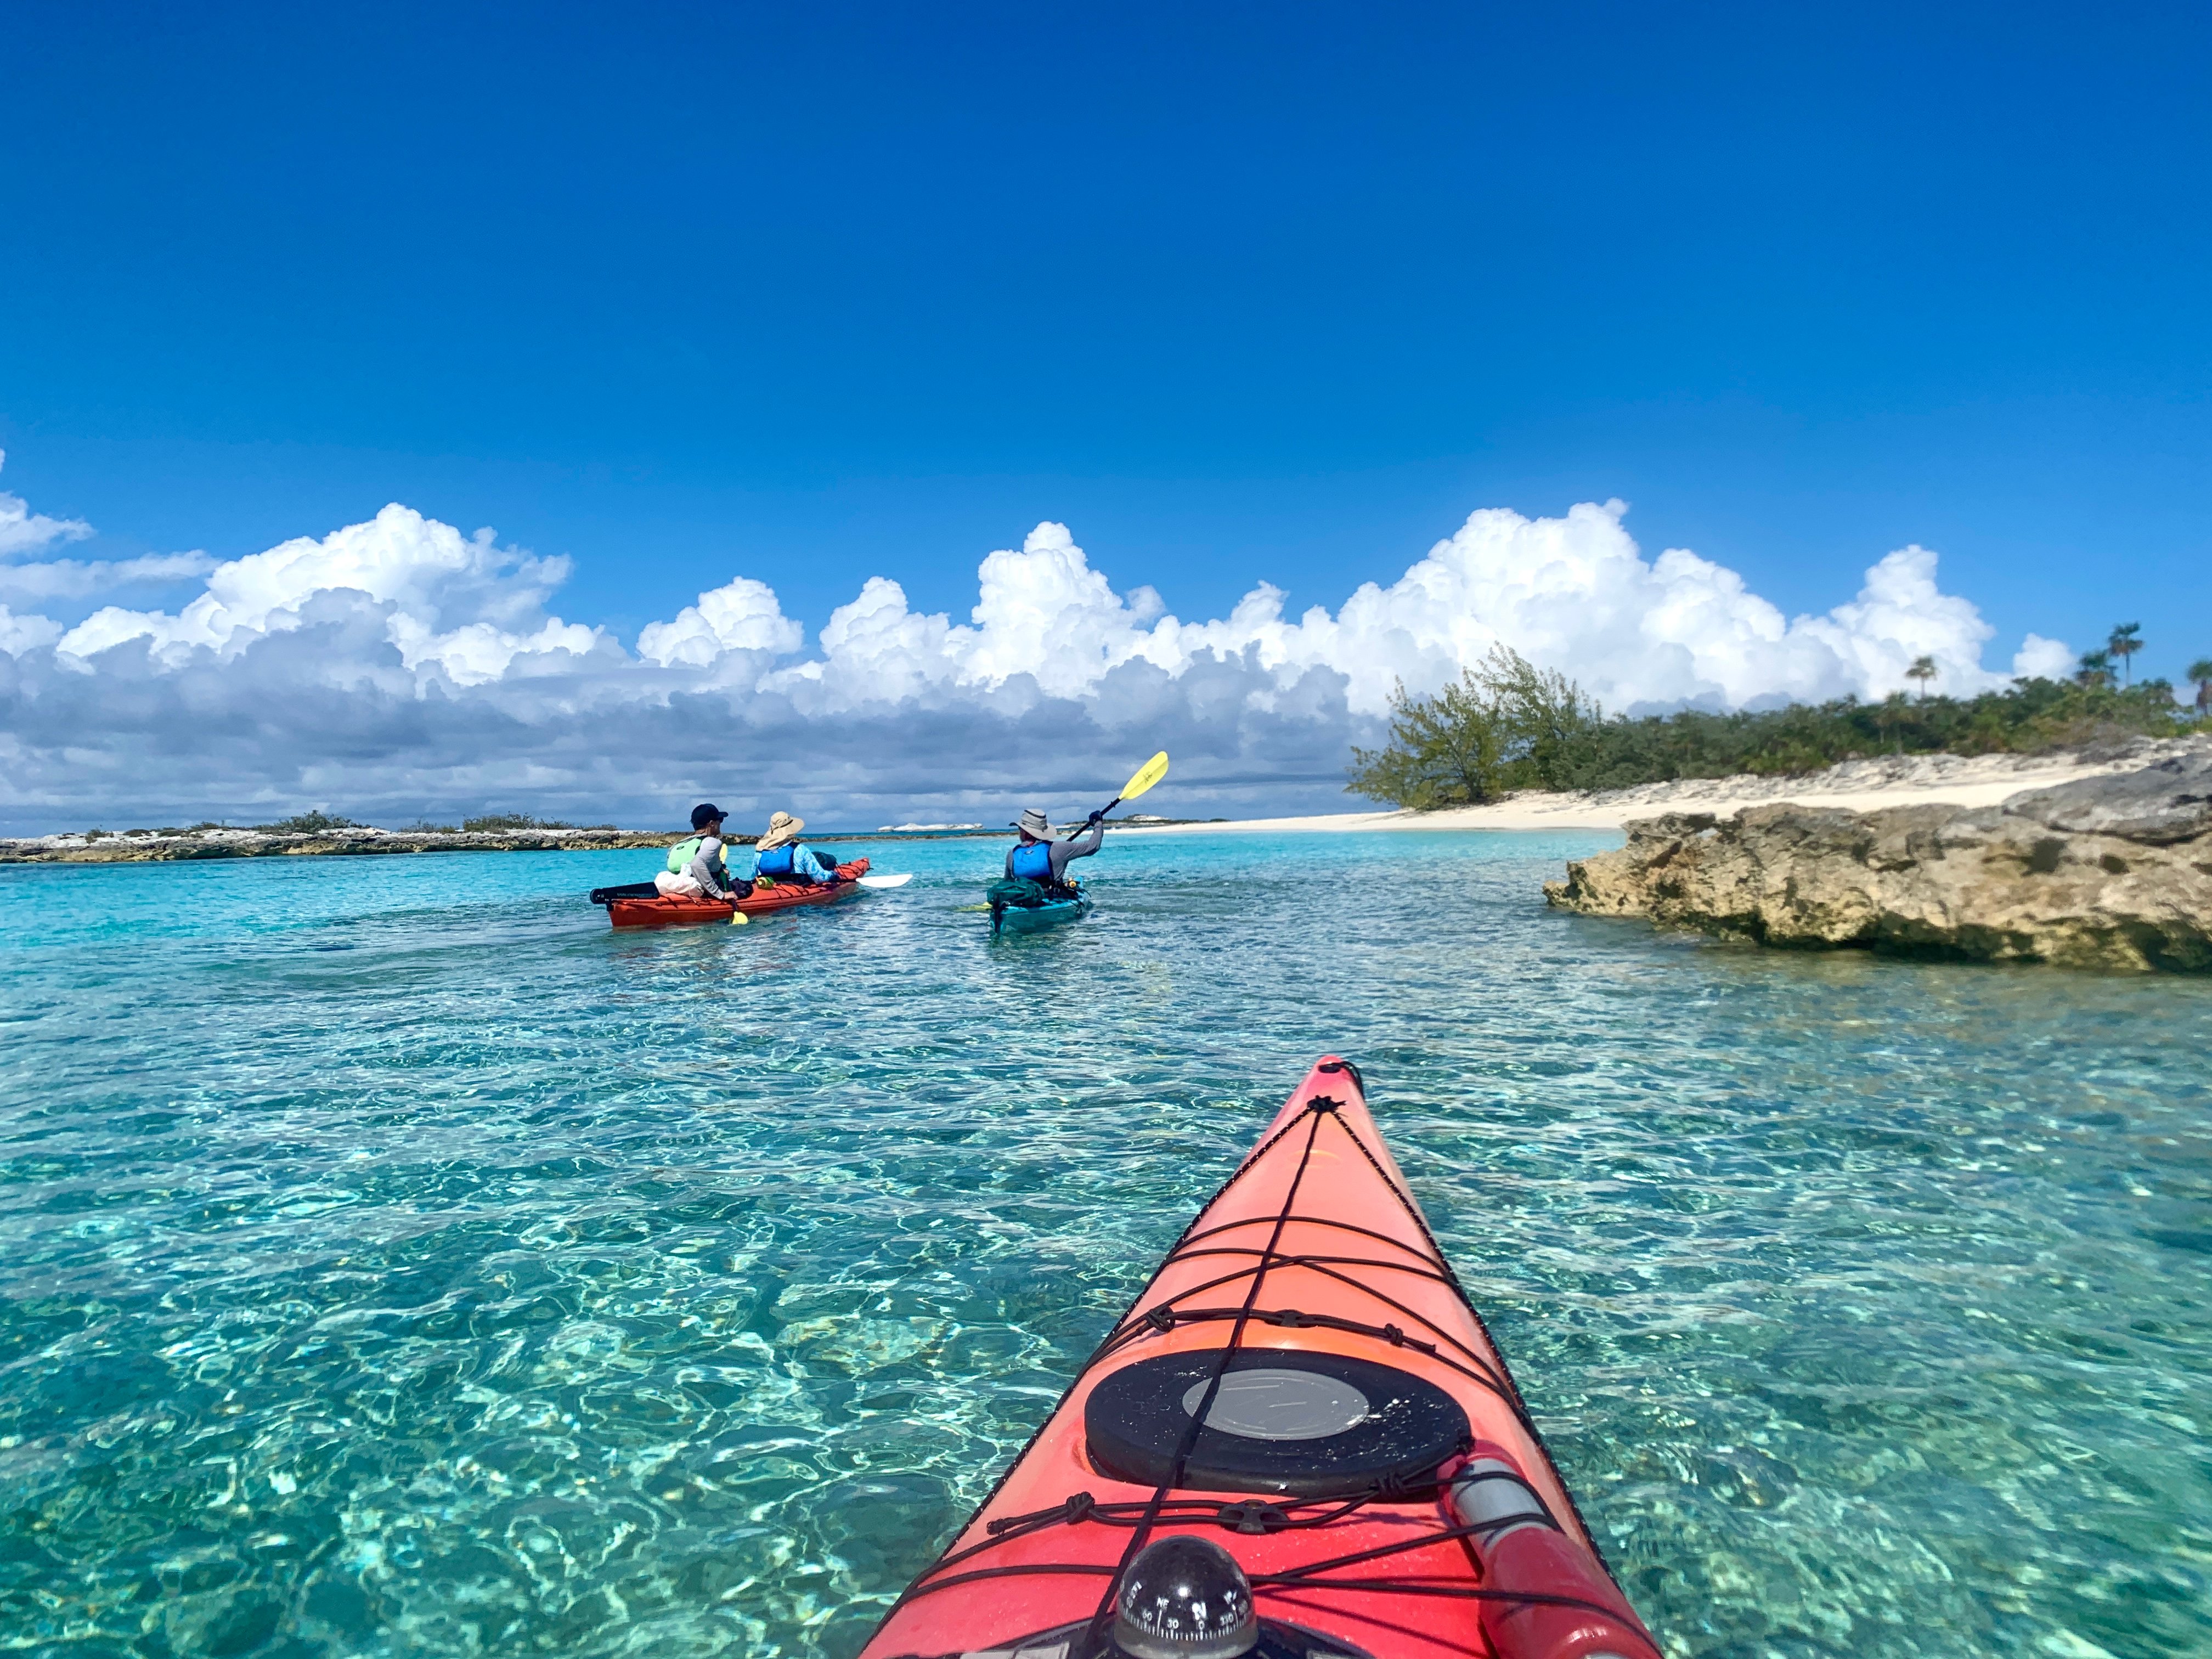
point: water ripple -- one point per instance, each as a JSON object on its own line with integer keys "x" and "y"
{"x": 396, "y": 1262}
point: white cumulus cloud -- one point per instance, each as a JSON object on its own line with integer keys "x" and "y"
{"x": 69, "y": 579}
{"x": 741, "y": 615}
{"x": 398, "y": 665}
{"x": 22, "y": 633}
{"x": 1574, "y": 593}
{"x": 461, "y": 605}
{"x": 2039, "y": 658}
{"x": 22, "y": 531}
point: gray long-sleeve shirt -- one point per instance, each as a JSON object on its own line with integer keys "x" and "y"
{"x": 1081, "y": 846}
{"x": 706, "y": 868}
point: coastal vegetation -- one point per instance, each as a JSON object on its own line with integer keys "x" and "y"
{"x": 490, "y": 821}
{"x": 308, "y": 823}
{"x": 1506, "y": 725}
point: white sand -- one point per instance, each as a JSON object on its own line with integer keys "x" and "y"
{"x": 1860, "y": 786}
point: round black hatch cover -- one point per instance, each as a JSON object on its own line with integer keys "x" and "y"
{"x": 1304, "y": 1425}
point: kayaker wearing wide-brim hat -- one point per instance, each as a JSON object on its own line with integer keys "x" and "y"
{"x": 1037, "y": 856}
{"x": 782, "y": 858}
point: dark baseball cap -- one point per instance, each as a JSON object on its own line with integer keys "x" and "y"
{"x": 706, "y": 812}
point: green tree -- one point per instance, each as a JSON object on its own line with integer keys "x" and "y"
{"x": 2200, "y": 672}
{"x": 1548, "y": 719}
{"x": 1444, "y": 750}
{"x": 1890, "y": 715}
{"x": 2126, "y": 640}
{"x": 1503, "y": 723}
{"x": 2095, "y": 671}
{"x": 1924, "y": 669}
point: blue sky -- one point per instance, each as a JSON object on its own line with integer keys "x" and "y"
{"x": 1238, "y": 293}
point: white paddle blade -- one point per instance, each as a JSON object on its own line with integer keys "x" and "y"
{"x": 886, "y": 881}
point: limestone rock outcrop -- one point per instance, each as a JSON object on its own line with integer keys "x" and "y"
{"x": 2112, "y": 872}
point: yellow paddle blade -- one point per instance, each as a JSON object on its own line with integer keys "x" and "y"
{"x": 738, "y": 918}
{"x": 1147, "y": 775}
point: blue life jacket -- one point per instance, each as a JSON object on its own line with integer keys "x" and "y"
{"x": 1032, "y": 861}
{"x": 776, "y": 861}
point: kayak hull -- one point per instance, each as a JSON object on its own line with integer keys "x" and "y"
{"x": 1314, "y": 1264}
{"x": 1030, "y": 919}
{"x": 659, "y": 912}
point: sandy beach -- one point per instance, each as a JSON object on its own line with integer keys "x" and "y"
{"x": 1860, "y": 786}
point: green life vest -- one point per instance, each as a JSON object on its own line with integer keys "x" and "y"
{"x": 682, "y": 853}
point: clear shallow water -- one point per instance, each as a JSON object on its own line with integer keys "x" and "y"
{"x": 395, "y": 1262}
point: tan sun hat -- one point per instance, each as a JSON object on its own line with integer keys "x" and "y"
{"x": 782, "y": 828}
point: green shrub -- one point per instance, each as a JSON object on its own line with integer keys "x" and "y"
{"x": 1444, "y": 750}
{"x": 1503, "y": 723}
{"x": 513, "y": 821}
{"x": 495, "y": 821}
{"x": 309, "y": 824}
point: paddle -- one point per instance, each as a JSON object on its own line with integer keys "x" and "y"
{"x": 1147, "y": 775}
{"x": 886, "y": 881}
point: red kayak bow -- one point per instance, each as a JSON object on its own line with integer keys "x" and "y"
{"x": 1301, "y": 1441}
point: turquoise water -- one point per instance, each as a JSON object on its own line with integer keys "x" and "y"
{"x": 395, "y": 1262}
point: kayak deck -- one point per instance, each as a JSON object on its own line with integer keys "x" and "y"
{"x": 1030, "y": 918}
{"x": 1305, "y": 1384}
{"x": 625, "y": 910}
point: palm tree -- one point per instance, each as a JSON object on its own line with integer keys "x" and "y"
{"x": 2126, "y": 640}
{"x": 2200, "y": 672}
{"x": 1924, "y": 669}
{"x": 2096, "y": 670}
{"x": 1890, "y": 718}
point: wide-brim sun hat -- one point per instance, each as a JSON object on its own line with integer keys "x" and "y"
{"x": 1034, "y": 822}
{"x": 782, "y": 828}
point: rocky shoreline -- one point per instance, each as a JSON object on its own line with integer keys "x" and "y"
{"x": 173, "y": 846}
{"x": 162, "y": 846}
{"x": 2112, "y": 871}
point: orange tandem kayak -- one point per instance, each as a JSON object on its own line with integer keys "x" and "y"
{"x": 1300, "y": 1441}
{"x": 639, "y": 906}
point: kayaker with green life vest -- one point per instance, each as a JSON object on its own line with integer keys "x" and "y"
{"x": 1037, "y": 856}
{"x": 699, "y": 867}
{"x": 780, "y": 857}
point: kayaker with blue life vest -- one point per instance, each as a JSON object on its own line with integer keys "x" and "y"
{"x": 1037, "y": 856}
{"x": 780, "y": 856}
{"x": 699, "y": 867}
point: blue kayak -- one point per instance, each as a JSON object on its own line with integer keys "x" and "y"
{"x": 1029, "y": 918}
